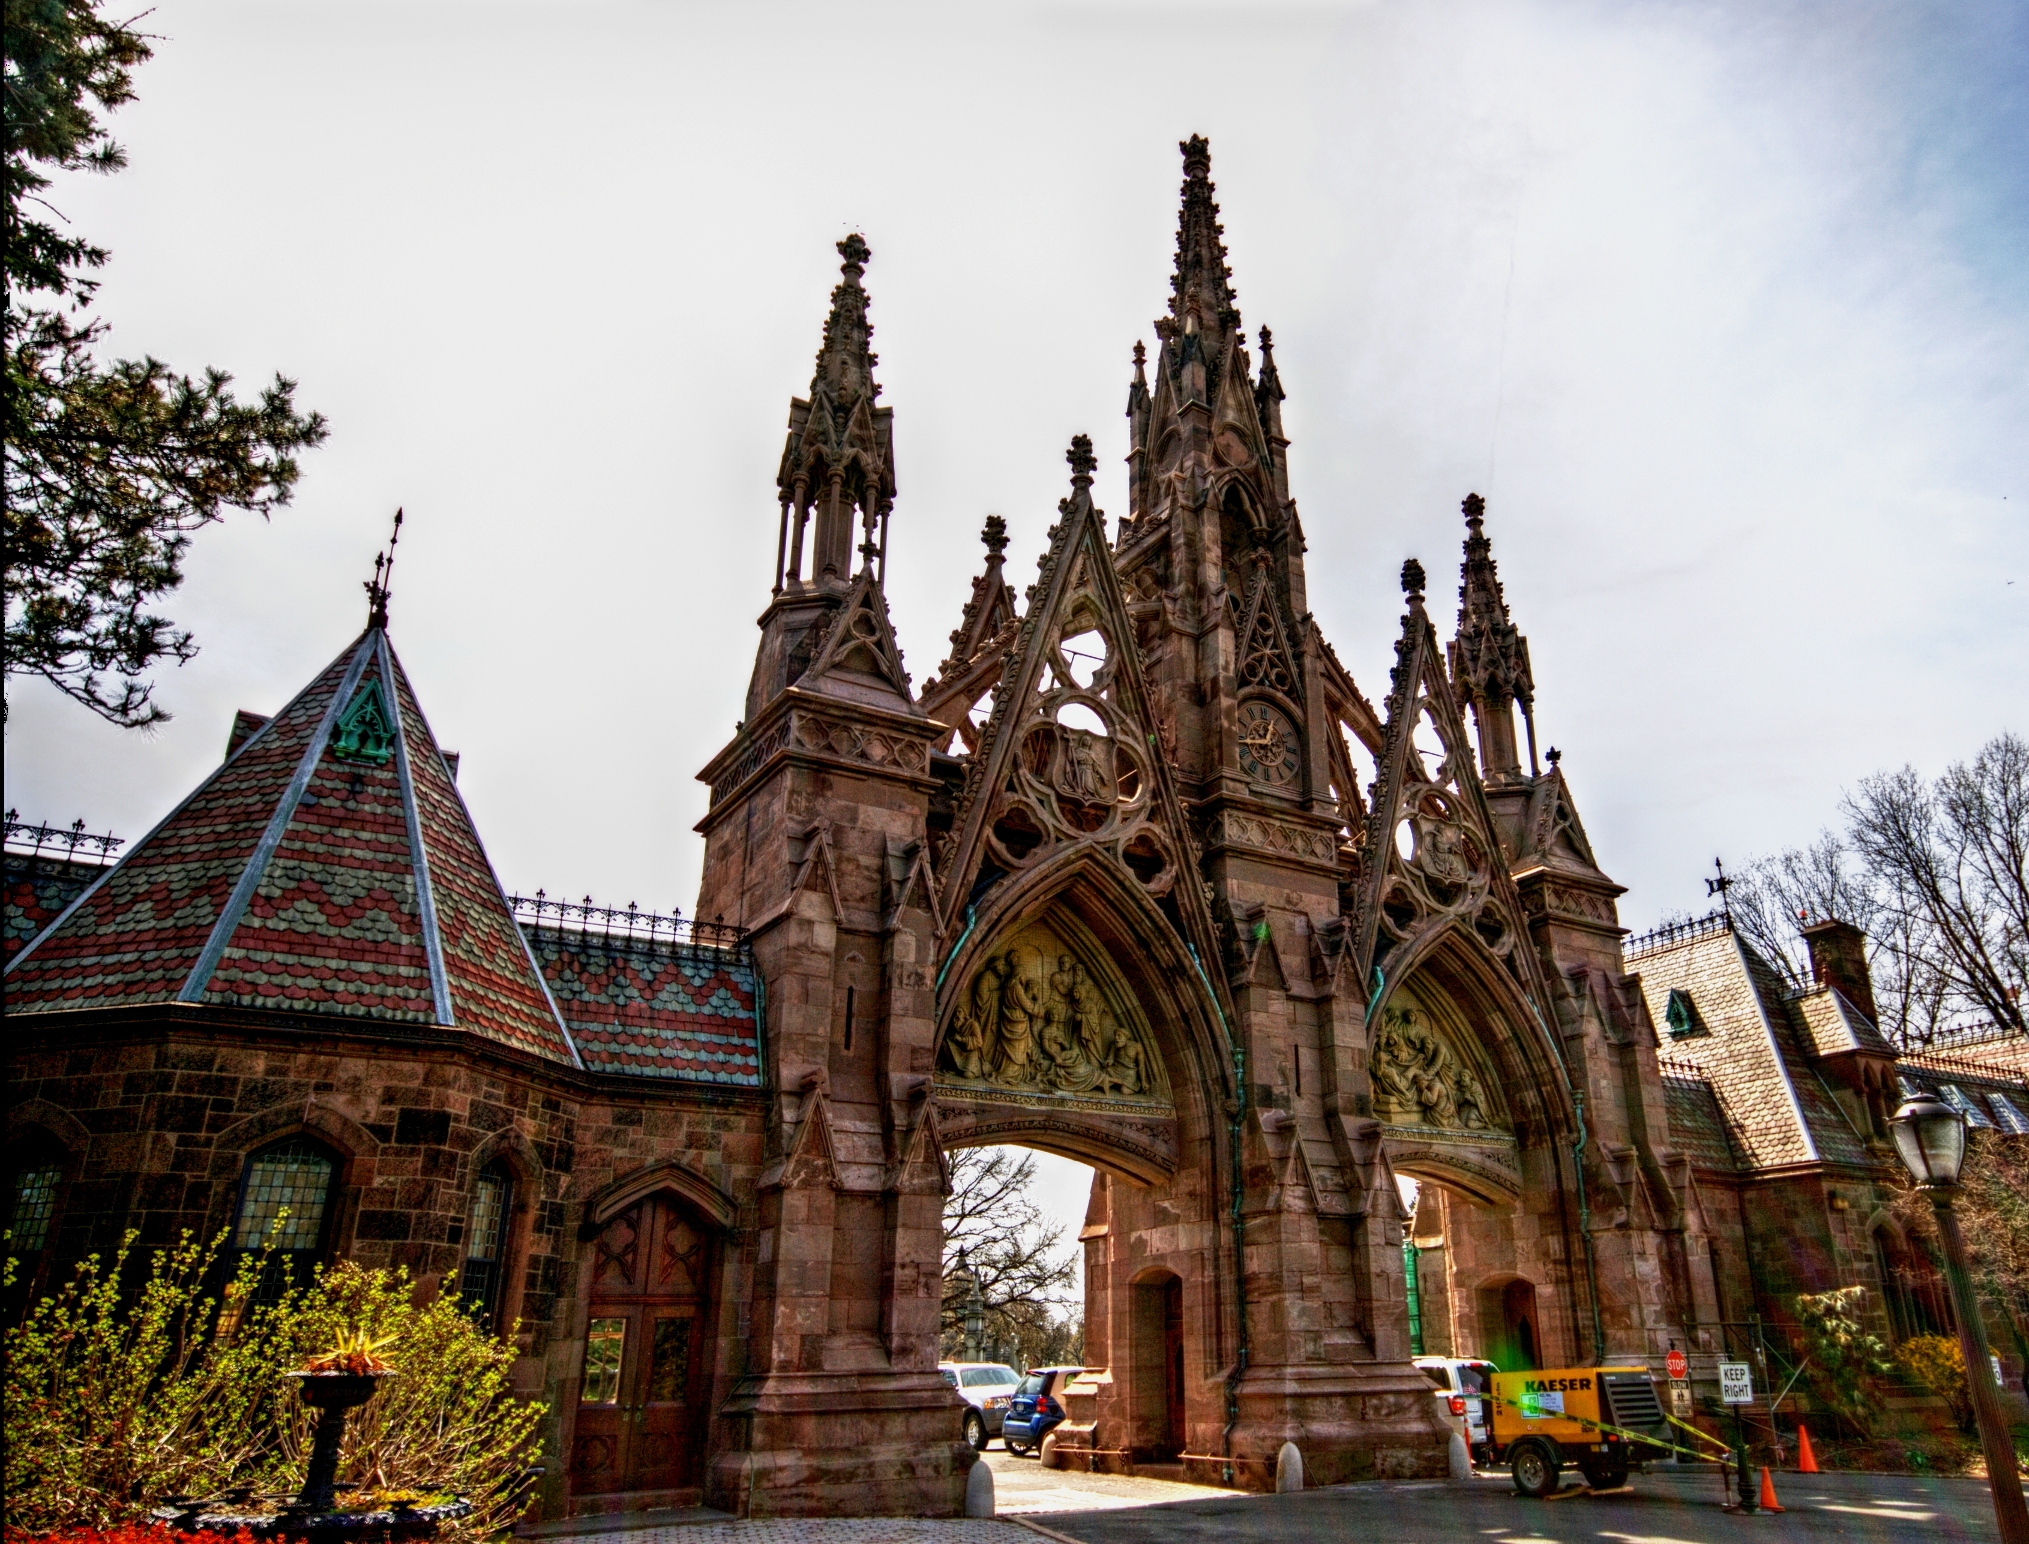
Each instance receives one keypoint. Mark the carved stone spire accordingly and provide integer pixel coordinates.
(1202, 285)
(1490, 657)
(840, 451)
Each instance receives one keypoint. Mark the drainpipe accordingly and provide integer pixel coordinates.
(1585, 1227)
(971, 916)
(1237, 1185)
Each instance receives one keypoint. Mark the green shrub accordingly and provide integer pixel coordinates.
(1844, 1359)
(121, 1393)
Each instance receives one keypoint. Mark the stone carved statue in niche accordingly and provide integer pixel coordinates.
(1419, 1080)
(1033, 1017)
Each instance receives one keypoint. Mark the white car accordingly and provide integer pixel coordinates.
(1465, 1387)
(987, 1387)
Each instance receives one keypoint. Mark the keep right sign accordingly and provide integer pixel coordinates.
(1736, 1383)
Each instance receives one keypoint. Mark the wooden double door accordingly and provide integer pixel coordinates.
(645, 1387)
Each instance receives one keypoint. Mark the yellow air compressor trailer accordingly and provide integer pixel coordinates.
(1600, 1419)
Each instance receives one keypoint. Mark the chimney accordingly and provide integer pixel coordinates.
(1839, 959)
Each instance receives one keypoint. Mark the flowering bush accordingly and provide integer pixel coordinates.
(1940, 1364)
(130, 1533)
(119, 1394)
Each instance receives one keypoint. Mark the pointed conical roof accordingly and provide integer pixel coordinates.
(328, 868)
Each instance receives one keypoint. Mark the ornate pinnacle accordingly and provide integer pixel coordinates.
(1412, 580)
(994, 534)
(1083, 463)
(855, 251)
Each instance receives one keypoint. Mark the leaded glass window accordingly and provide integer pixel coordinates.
(486, 1242)
(605, 1339)
(34, 1208)
(282, 1207)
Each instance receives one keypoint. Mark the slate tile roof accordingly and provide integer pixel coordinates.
(38, 889)
(653, 1007)
(294, 880)
(1832, 1025)
(1756, 1053)
(1699, 1126)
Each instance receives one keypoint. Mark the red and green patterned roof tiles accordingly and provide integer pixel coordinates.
(330, 867)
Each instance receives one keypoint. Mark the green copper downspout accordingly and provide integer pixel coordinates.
(971, 916)
(1239, 1219)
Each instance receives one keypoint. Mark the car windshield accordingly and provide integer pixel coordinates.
(979, 1377)
(1002, 1374)
(1477, 1377)
(950, 1376)
(1032, 1384)
(1441, 1376)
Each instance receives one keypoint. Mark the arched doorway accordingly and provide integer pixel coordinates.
(1157, 1338)
(1513, 1323)
(644, 1387)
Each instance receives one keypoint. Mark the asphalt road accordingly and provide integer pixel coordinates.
(1665, 1507)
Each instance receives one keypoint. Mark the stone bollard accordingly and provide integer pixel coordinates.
(1288, 1468)
(1461, 1458)
(979, 1490)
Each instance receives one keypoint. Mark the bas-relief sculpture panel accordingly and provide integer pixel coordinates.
(1038, 1016)
(1422, 1080)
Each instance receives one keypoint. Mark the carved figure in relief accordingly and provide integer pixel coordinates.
(1015, 1047)
(1419, 1079)
(1127, 1072)
(1083, 777)
(1036, 1019)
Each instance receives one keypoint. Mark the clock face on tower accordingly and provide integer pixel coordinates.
(1270, 751)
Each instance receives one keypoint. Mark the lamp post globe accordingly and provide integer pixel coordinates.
(1930, 1136)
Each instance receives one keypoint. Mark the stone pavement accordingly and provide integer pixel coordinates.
(1022, 1487)
(1666, 1506)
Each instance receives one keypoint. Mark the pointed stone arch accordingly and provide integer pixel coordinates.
(1152, 1070)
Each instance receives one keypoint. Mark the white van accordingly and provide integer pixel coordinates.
(1465, 1386)
(987, 1387)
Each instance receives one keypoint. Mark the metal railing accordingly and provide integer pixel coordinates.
(630, 922)
(1671, 933)
(72, 843)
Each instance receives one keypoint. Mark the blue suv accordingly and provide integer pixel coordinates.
(1037, 1406)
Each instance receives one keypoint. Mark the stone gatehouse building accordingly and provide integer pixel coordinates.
(1139, 875)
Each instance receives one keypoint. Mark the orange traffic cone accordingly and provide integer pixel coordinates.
(1768, 1501)
(1807, 1461)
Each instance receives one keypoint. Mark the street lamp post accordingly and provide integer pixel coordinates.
(1931, 1137)
(975, 1311)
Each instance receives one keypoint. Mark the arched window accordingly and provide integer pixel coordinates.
(294, 1177)
(486, 1242)
(34, 1208)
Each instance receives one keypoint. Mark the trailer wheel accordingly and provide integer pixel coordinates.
(1606, 1476)
(1534, 1467)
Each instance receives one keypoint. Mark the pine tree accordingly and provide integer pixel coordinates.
(110, 466)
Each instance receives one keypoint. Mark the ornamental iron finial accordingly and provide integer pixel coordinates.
(380, 585)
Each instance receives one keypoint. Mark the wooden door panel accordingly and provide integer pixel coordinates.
(639, 1424)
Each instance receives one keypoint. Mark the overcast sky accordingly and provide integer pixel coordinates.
(1723, 307)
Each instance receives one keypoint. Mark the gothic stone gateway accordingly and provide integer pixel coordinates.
(1138, 875)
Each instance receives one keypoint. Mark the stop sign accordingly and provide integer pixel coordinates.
(1679, 1367)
